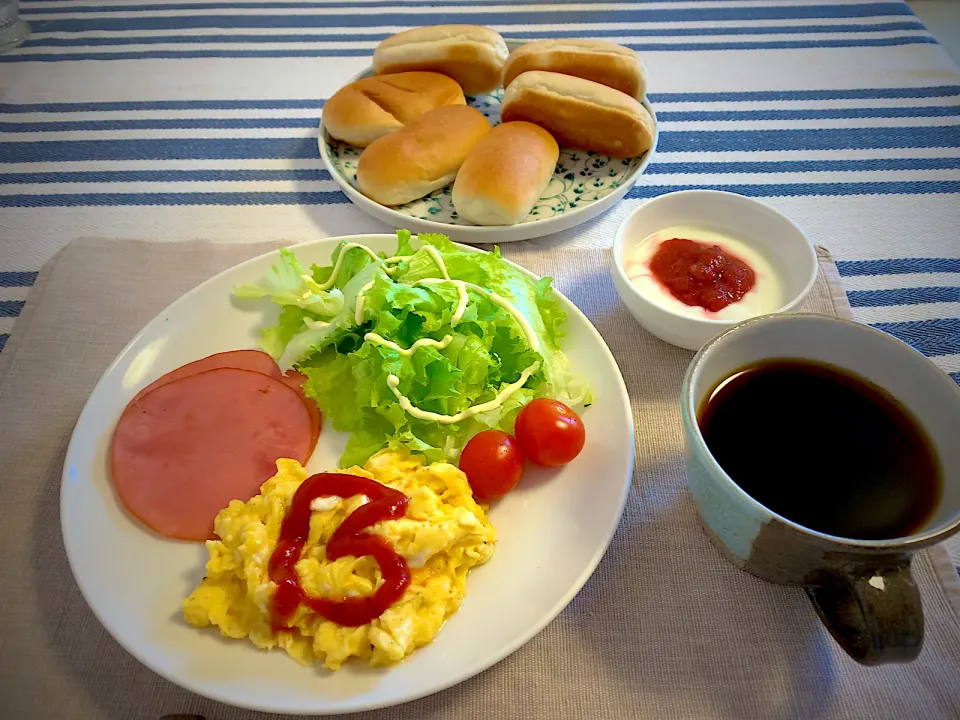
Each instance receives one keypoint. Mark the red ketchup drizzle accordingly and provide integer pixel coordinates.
(700, 274)
(348, 539)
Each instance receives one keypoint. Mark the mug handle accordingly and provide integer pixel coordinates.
(875, 614)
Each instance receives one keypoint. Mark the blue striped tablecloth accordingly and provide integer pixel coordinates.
(197, 119)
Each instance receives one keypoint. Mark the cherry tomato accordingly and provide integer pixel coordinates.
(493, 464)
(550, 434)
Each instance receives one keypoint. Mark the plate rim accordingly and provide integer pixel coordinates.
(489, 233)
(478, 667)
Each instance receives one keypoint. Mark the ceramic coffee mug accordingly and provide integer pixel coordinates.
(862, 589)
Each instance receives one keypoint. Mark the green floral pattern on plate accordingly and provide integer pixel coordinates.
(580, 178)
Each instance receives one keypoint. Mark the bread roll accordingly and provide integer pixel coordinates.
(505, 174)
(470, 54)
(420, 157)
(604, 62)
(580, 113)
(369, 108)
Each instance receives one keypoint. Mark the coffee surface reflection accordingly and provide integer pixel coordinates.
(824, 448)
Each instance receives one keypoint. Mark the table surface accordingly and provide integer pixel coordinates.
(198, 119)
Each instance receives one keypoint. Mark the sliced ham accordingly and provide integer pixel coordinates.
(184, 450)
(296, 380)
(255, 360)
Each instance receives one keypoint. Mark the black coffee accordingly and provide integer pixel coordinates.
(824, 448)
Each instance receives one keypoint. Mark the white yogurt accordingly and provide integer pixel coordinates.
(766, 296)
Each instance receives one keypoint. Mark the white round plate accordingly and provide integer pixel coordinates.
(584, 185)
(553, 529)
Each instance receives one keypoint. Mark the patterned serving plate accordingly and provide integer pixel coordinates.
(584, 185)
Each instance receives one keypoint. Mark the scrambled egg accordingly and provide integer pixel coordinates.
(442, 536)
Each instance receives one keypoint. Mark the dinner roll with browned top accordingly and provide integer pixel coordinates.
(470, 54)
(580, 113)
(369, 108)
(505, 174)
(422, 156)
(604, 62)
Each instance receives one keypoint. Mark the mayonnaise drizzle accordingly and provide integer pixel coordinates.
(495, 298)
(358, 312)
(532, 338)
(315, 324)
(343, 251)
(393, 382)
(462, 298)
(438, 259)
(408, 352)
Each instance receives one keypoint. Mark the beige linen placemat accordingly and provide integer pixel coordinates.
(664, 629)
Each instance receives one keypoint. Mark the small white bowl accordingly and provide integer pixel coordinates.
(757, 225)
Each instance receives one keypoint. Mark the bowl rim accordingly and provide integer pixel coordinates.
(618, 241)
